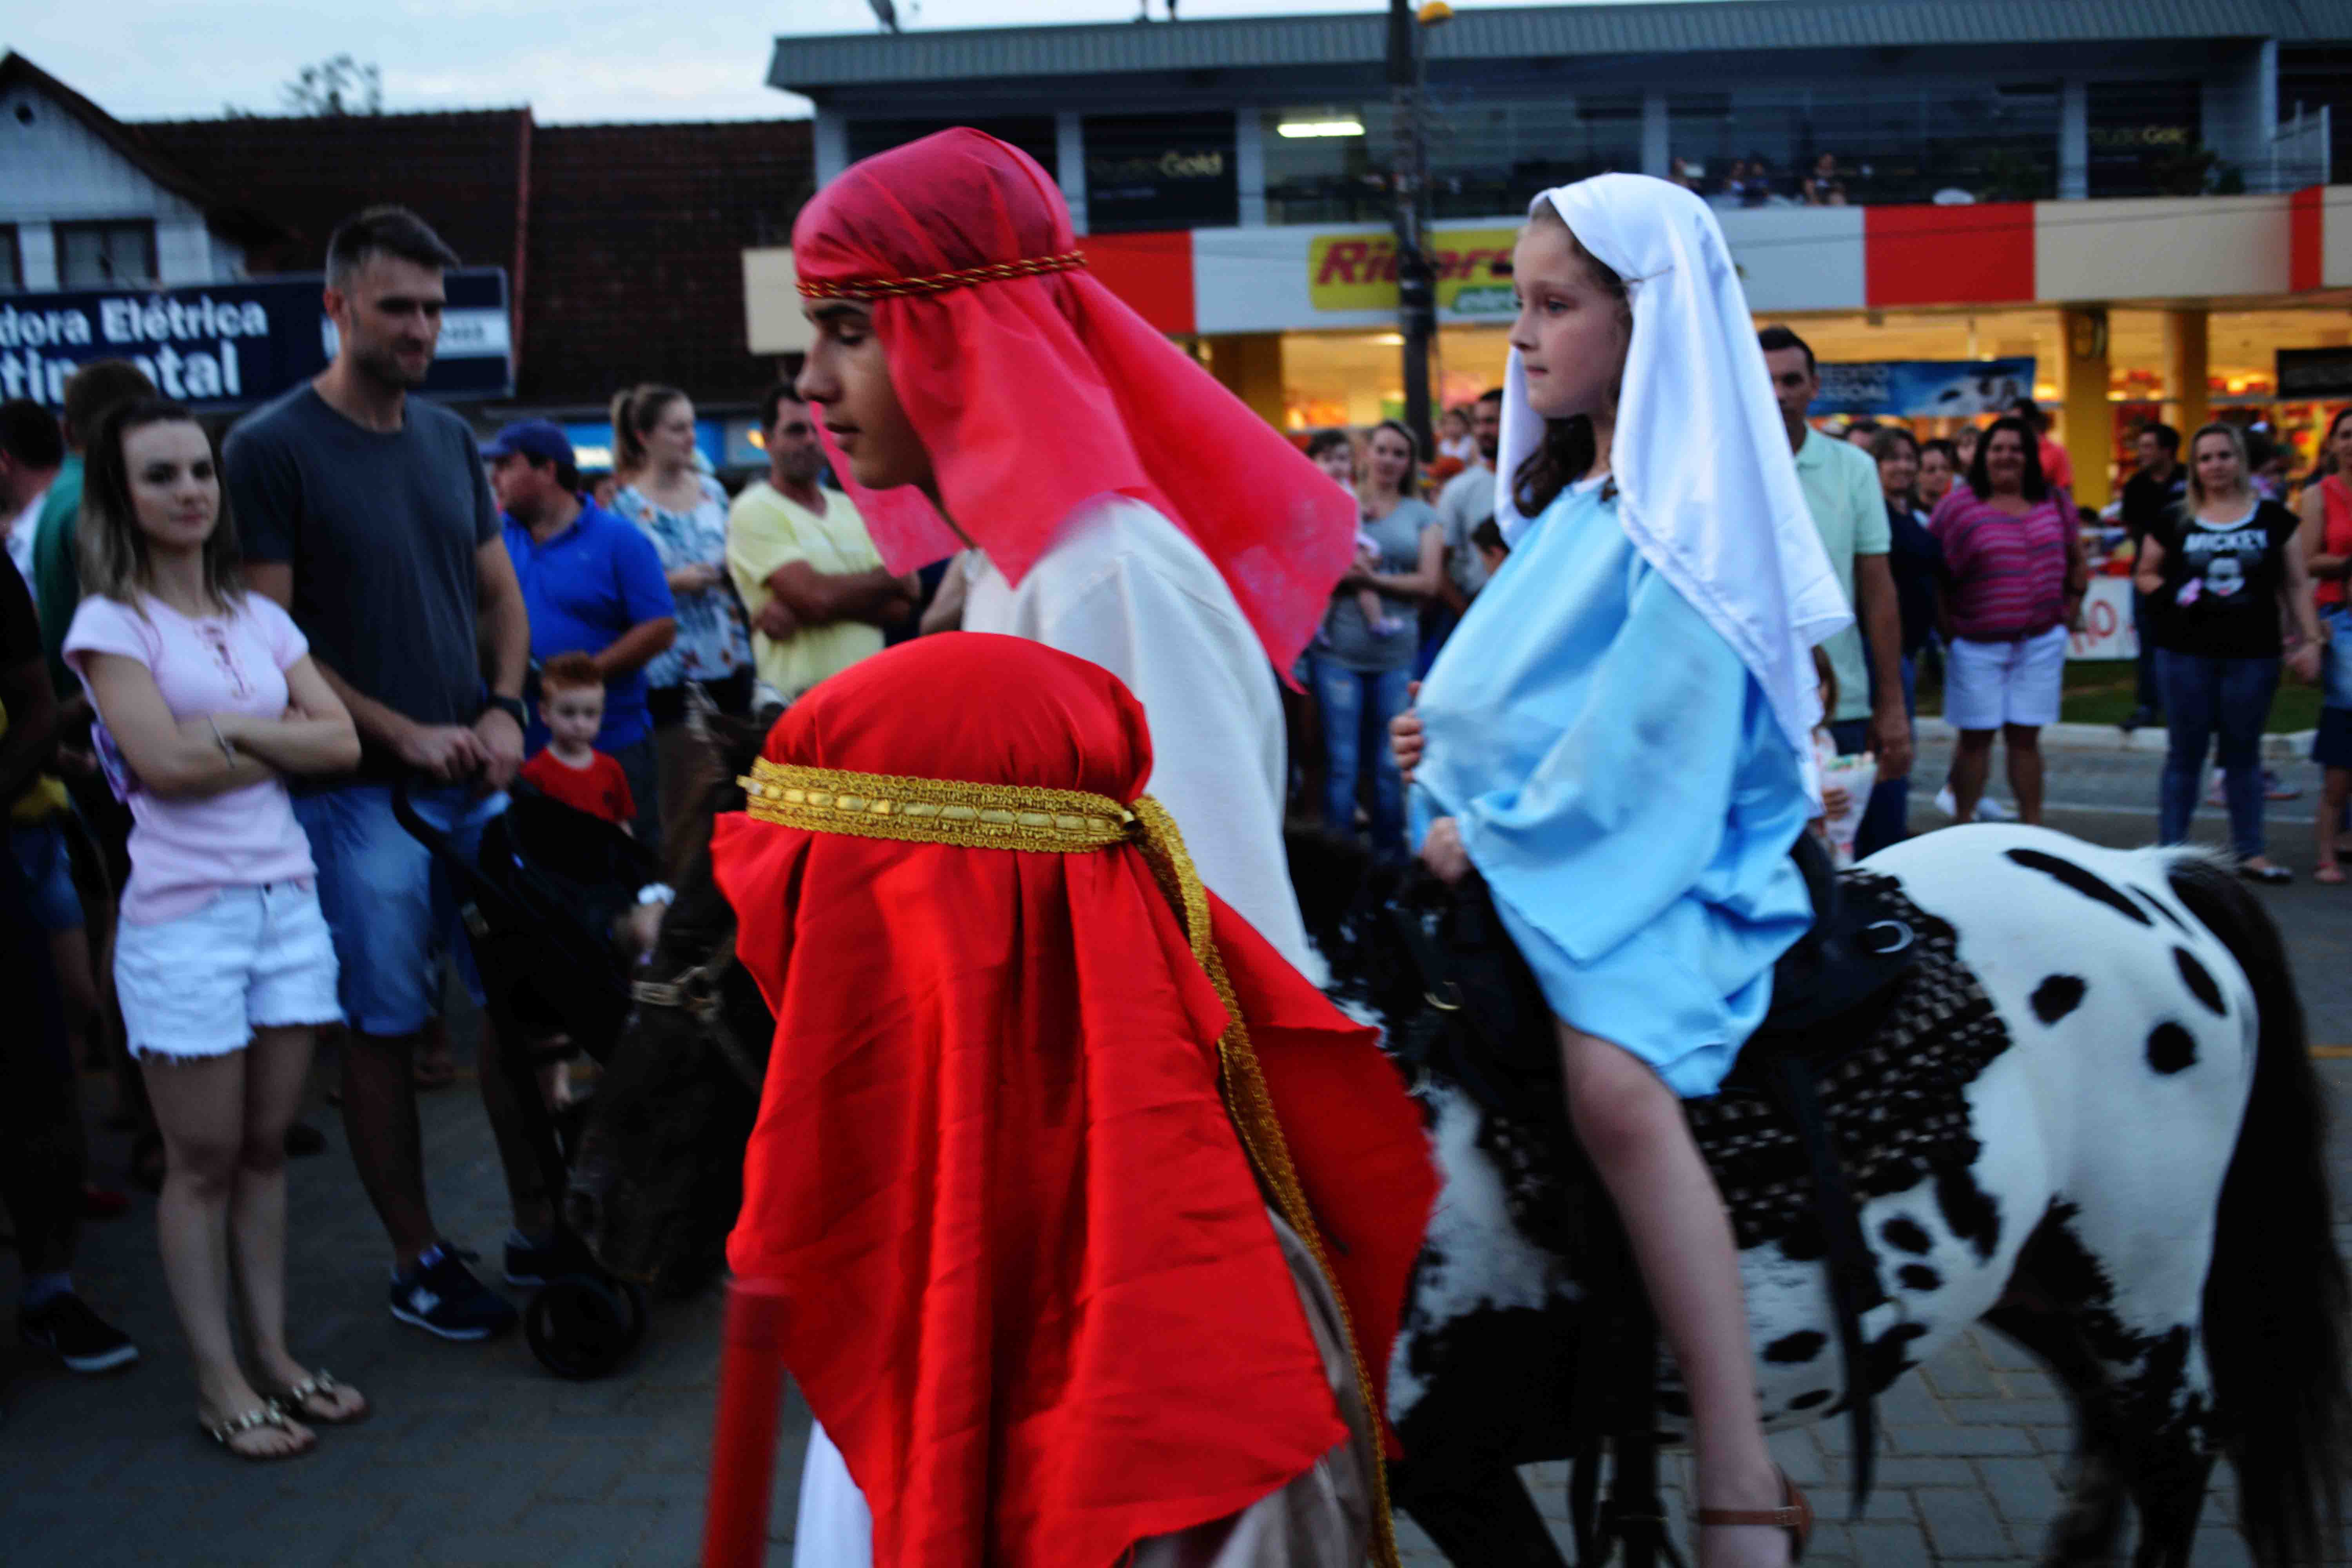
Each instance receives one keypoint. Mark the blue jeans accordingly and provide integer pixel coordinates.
(1357, 707)
(1886, 815)
(47, 865)
(389, 903)
(1437, 623)
(2145, 692)
(2203, 697)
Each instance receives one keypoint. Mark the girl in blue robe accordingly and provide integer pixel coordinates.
(1617, 738)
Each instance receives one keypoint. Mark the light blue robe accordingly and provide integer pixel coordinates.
(1620, 782)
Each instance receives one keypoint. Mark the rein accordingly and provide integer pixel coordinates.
(696, 992)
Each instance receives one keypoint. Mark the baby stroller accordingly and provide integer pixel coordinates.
(539, 903)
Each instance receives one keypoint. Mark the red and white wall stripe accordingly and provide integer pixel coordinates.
(1304, 278)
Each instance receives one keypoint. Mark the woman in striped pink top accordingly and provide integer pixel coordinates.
(2013, 554)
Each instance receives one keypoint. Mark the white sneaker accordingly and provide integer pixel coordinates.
(1988, 808)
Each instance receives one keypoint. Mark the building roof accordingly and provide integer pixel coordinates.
(462, 173)
(637, 235)
(15, 70)
(623, 244)
(818, 64)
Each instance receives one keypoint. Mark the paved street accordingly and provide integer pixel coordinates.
(476, 1457)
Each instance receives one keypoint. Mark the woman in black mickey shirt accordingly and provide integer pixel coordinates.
(2218, 572)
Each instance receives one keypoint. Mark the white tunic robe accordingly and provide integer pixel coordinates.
(1123, 587)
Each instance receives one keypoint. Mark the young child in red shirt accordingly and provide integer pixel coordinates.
(570, 768)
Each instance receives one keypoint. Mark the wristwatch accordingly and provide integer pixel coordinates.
(509, 706)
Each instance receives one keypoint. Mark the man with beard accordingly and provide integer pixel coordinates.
(366, 514)
(810, 579)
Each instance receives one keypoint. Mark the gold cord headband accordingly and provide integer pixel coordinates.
(1072, 822)
(938, 282)
(936, 811)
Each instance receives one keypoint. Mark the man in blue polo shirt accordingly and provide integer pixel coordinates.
(592, 584)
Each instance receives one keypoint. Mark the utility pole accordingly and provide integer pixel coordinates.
(1409, 191)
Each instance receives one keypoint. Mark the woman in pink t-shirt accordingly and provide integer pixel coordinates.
(224, 965)
(2014, 580)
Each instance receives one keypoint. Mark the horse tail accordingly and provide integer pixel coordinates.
(2275, 1302)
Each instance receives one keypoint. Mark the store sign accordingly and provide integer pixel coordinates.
(1923, 388)
(2305, 374)
(1358, 271)
(231, 345)
(2143, 136)
(1147, 171)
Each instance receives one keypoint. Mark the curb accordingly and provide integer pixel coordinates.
(2295, 747)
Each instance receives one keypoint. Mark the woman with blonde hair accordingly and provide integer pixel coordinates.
(683, 511)
(209, 699)
(2217, 573)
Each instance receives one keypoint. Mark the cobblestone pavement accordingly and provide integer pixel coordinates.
(476, 1457)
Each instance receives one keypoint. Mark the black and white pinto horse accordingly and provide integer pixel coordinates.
(2147, 1211)
(2149, 1214)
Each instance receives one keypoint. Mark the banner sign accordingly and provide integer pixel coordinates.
(2306, 375)
(218, 347)
(1358, 271)
(2108, 631)
(1924, 388)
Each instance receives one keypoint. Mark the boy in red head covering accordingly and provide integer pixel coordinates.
(1092, 1220)
(979, 384)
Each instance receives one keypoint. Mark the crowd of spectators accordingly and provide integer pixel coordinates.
(348, 598)
(352, 594)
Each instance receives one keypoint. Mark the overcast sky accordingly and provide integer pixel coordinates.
(569, 59)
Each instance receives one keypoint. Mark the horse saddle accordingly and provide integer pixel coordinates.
(1829, 991)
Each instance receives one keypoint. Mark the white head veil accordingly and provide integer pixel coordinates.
(1707, 485)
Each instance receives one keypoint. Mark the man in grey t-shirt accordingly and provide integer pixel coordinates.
(364, 511)
(1467, 500)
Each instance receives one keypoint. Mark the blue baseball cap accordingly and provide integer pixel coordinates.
(540, 438)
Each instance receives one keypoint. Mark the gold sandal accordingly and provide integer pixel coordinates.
(225, 1432)
(1794, 1515)
(294, 1401)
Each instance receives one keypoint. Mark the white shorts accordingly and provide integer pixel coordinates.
(1989, 684)
(201, 984)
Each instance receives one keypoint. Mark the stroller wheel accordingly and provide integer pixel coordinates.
(582, 1326)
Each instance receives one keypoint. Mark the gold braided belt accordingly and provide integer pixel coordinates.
(938, 282)
(1075, 822)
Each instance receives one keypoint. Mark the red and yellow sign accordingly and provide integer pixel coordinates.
(1358, 271)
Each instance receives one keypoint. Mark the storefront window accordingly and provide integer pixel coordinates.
(1159, 171)
(2147, 140)
(1488, 158)
(1867, 144)
(1326, 163)
(1033, 134)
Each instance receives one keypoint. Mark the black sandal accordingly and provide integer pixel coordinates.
(2268, 876)
(1794, 1515)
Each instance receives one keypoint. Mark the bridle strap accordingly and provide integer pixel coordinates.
(695, 991)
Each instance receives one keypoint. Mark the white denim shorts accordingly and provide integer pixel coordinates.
(1989, 684)
(200, 984)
